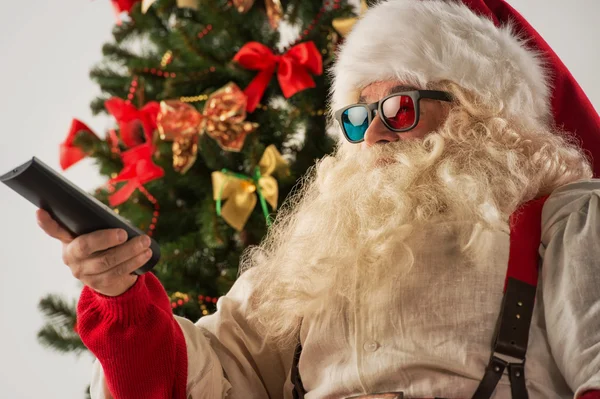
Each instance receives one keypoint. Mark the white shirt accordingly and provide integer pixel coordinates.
(429, 333)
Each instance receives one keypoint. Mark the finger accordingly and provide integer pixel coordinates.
(129, 266)
(116, 280)
(86, 245)
(113, 257)
(52, 228)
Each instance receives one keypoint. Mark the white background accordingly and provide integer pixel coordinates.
(46, 52)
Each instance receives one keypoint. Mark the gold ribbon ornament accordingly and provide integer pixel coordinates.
(344, 25)
(146, 4)
(180, 123)
(273, 7)
(241, 193)
(223, 119)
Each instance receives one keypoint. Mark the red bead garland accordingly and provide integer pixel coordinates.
(156, 212)
(158, 72)
(179, 299)
(335, 5)
(132, 89)
(205, 31)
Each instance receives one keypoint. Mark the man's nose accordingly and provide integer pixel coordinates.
(377, 132)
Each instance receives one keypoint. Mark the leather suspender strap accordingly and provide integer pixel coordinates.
(299, 391)
(492, 375)
(516, 374)
(512, 330)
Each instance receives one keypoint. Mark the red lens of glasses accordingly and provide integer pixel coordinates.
(399, 111)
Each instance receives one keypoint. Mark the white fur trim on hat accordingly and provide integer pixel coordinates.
(423, 41)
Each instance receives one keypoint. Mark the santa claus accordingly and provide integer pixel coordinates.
(449, 248)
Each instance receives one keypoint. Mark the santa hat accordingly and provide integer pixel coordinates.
(483, 45)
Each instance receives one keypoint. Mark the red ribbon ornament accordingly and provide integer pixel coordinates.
(69, 153)
(293, 69)
(129, 117)
(138, 169)
(122, 6)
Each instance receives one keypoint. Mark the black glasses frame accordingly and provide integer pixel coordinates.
(415, 95)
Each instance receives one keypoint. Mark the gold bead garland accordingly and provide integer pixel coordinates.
(194, 99)
(166, 59)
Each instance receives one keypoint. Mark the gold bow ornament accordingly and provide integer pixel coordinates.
(240, 192)
(273, 7)
(223, 119)
(344, 25)
(146, 4)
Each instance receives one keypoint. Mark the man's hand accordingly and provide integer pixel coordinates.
(102, 260)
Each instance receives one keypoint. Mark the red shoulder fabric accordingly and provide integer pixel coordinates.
(525, 236)
(590, 395)
(137, 340)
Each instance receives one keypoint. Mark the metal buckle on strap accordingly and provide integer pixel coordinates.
(507, 359)
(510, 341)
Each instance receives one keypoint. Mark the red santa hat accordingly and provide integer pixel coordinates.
(483, 45)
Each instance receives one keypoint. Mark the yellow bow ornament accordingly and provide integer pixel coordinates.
(273, 7)
(240, 191)
(345, 25)
(146, 4)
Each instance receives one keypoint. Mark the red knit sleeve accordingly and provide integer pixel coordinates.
(590, 395)
(136, 339)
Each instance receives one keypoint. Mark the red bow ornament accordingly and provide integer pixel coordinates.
(138, 169)
(122, 6)
(132, 120)
(69, 152)
(294, 69)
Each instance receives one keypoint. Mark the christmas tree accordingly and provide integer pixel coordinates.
(215, 120)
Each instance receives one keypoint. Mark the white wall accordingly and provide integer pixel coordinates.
(46, 52)
(47, 49)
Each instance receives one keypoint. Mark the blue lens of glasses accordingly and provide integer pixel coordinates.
(355, 122)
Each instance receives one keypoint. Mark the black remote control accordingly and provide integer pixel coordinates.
(78, 211)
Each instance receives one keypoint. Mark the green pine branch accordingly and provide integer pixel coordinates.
(59, 311)
(59, 331)
(60, 340)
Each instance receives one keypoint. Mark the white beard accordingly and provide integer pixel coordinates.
(352, 218)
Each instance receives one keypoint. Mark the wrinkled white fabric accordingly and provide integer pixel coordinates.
(428, 333)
